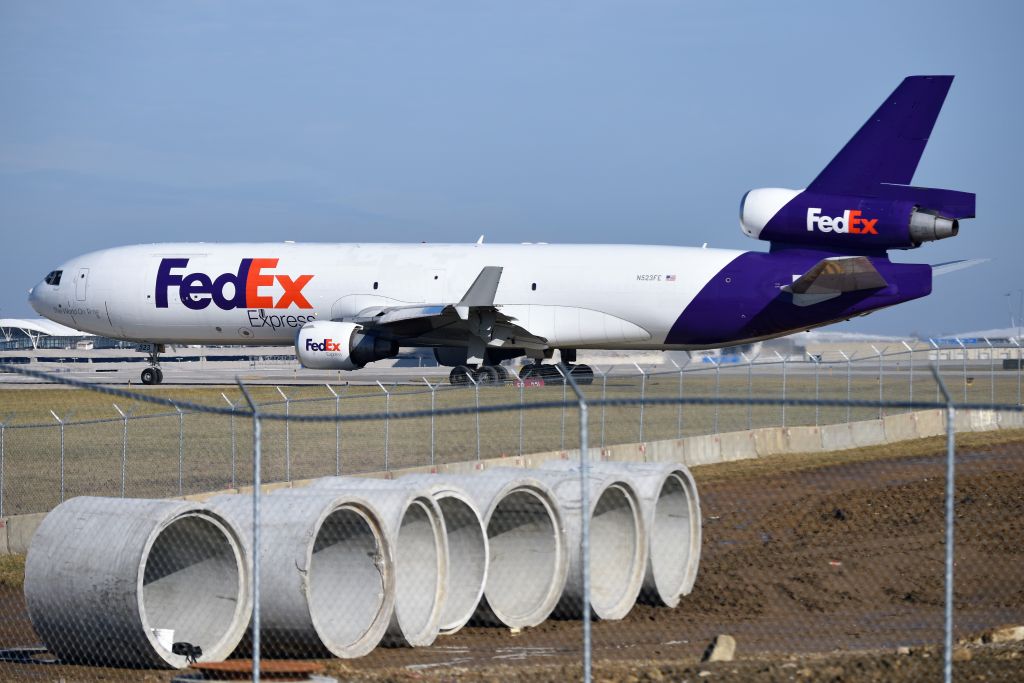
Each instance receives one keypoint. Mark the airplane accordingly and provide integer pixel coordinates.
(343, 306)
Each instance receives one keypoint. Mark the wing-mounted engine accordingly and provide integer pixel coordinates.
(328, 345)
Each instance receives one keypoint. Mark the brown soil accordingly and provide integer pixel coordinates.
(819, 572)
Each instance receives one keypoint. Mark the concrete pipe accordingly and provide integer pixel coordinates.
(467, 544)
(419, 548)
(114, 581)
(618, 541)
(672, 509)
(327, 584)
(528, 557)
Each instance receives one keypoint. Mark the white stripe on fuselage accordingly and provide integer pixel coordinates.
(581, 290)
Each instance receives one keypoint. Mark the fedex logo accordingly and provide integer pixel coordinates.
(850, 222)
(325, 345)
(230, 290)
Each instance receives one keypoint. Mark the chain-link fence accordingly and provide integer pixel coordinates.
(815, 496)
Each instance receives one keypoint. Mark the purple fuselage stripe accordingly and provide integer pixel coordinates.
(744, 301)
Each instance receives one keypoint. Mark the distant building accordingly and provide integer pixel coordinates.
(21, 334)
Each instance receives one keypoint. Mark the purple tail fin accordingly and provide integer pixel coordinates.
(888, 147)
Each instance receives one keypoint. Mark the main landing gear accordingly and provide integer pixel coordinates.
(582, 374)
(486, 375)
(153, 374)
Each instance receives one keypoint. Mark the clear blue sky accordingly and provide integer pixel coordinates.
(593, 121)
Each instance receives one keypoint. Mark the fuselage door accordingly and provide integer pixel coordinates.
(81, 282)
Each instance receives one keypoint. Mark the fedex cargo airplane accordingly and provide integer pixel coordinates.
(343, 306)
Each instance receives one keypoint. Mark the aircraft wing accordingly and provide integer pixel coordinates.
(830, 277)
(474, 315)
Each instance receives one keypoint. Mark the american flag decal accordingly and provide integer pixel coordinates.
(670, 278)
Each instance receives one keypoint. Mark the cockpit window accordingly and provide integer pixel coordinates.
(54, 277)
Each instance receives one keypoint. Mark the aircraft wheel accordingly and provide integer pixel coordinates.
(550, 374)
(486, 375)
(583, 374)
(459, 376)
(159, 376)
(503, 374)
(149, 376)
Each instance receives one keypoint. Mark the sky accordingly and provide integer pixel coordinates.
(565, 122)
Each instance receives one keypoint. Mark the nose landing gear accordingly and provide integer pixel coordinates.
(153, 374)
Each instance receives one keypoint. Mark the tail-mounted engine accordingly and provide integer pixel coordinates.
(907, 218)
(327, 345)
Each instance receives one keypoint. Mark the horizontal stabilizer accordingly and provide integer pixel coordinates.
(953, 266)
(834, 276)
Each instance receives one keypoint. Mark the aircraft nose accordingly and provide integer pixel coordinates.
(35, 300)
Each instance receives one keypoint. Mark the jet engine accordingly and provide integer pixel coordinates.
(893, 217)
(327, 345)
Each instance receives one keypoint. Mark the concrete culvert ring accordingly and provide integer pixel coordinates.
(672, 563)
(419, 565)
(467, 561)
(190, 581)
(616, 552)
(103, 573)
(347, 591)
(527, 570)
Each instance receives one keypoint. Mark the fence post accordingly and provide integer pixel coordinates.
(750, 388)
(387, 425)
(937, 363)
(881, 379)
(910, 349)
(61, 423)
(476, 391)
(337, 429)
(234, 446)
(3, 429)
(433, 388)
(124, 447)
(947, 668)
(679, 413)
(287, 436)
(257, 484)
(963, 348)
(604, 393)
(718, 385)
(817, 406)
(1017, 344)
(181, 451)
(643, 395)
(584, 526)
(848, 359)
(991, 373)
(565, 384)
(784, 360)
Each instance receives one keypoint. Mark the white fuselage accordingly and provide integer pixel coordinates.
(575, 296)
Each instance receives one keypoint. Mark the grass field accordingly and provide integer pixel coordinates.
(170, 454)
